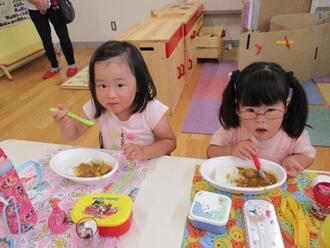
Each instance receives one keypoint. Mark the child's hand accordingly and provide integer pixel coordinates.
(61, 117)
(133, 151)
(292, 166)
(244, 150)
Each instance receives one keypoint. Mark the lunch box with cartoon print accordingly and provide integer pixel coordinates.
(112, 212)
(210, 211)
(261, 224)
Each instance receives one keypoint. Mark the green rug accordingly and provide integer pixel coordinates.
(319, 119)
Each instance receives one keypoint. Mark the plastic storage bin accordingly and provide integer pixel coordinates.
(112, 212)
(210, 211)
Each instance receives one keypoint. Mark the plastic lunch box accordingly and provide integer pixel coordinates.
(112, 212)
(210, 211)
(261, 224)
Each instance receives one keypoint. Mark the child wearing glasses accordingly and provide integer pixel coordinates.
(264, 111)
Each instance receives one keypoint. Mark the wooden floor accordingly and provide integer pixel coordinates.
(25, 103)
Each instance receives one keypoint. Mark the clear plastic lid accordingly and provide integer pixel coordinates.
(262, 228)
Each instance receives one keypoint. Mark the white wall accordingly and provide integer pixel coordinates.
(215, 5)
(231, 22)
(226, 12)
(93, 17)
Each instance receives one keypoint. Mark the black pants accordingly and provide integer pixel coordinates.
(41, 22)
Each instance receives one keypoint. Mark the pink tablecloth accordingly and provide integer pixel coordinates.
(126, 180)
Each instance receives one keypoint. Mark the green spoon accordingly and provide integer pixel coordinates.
(76, 117)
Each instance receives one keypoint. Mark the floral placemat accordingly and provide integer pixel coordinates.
(234, 236)
(126, 180)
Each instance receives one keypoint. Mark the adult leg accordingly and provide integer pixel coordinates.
(42, 25)
(63, 34)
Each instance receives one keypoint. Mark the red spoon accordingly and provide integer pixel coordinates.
(256, 161)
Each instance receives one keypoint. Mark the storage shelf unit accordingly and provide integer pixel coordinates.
(191, 16)
(161, 44)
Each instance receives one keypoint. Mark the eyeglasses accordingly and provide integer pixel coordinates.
(270, 114)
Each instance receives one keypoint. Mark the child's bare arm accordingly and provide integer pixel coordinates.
(164, 144)
(215, 151)
(296, 163)
(243, 150)
(70, 128)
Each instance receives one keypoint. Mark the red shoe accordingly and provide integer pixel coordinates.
(71, 71)
(49, 74)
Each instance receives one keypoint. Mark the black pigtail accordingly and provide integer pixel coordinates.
(296, 115)
(228, 110)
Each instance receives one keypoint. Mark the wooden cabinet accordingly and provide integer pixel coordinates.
(191, 16)
(162, 46)
(190, 50)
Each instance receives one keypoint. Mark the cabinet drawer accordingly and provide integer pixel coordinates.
(208, 43)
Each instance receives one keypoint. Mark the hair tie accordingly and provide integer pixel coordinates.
(291, 78)
(235, 74)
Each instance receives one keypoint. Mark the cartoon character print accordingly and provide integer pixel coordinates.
(292, 188)
(133, 193)
(301, 197)
(255, 214)
(284, 187)
(78, 192)
(240, 223)
(197, 178)
(230, 223)
(310, 176)
(200, 186)
(208, 240)
(222, 242)
(237, 244)
(58, 242)
(26, 227)
(4, 242)
(236, 233)
(239, 214)
(309, 192)
(299, 187)
(100, 209)
(11, 210)
(18, 191)
(194, 232)
(12, 224)
(194, 245)
(42, 232)
(286, 226)
(292, 180)
(237, 203)
(7, 182)
(276, 200)
(275, 192)
(66, 182)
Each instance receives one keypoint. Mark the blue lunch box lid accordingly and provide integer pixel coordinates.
(210, 208)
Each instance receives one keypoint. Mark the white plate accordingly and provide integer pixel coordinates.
(63, 162)
(214, 171)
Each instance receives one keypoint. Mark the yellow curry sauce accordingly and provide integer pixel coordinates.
(248, 177)
(92, 169)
